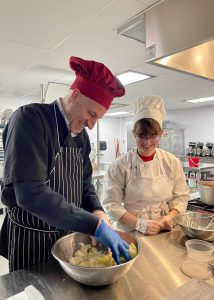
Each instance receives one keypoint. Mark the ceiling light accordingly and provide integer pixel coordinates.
(132, 77)
(119, 113)
(201, 99)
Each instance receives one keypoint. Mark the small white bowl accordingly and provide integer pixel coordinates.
(199, 249)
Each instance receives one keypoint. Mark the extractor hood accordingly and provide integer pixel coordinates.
(180, 36)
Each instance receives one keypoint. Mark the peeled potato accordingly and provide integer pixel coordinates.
(89, 256)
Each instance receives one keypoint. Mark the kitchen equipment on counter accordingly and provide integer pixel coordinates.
(199, 249)
(92, 276)
(209, 148)
(206, 192)
(195, 264)
(192, 149)
(198, 206)
(194, 224)
(193, 161)
(199, 149)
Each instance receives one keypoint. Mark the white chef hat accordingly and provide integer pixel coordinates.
(149, 107)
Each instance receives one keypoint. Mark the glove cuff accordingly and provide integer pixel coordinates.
(99, 229)
(141, 225)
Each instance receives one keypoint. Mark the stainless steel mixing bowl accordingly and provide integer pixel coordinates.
(194, 225)
(93, 276)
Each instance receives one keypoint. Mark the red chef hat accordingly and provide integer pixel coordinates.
(95, 80)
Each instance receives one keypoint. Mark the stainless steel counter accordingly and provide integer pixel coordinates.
(154, 275)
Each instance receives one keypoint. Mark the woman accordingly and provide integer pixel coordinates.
(146, 188)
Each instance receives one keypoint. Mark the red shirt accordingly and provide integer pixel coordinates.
(147, 158)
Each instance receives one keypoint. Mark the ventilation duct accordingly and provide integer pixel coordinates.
(180, 35)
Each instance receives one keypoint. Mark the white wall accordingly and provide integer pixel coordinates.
(109, 131)
(198, 123)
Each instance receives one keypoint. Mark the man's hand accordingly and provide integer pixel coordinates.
(109, 238)
(102, 216)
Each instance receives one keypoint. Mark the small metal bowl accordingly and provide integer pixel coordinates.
(193, 224)
(93, 276)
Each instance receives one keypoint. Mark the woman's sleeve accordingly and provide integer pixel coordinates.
(180, 189)
(114, 189)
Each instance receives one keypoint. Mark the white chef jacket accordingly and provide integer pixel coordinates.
(143, 187)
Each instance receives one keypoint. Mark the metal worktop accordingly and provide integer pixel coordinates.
(154, 275)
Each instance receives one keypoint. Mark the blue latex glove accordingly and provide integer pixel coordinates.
(109, 238)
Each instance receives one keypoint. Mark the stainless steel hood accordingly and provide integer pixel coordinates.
(180, 36)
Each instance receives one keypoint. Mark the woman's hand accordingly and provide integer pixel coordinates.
(168, 221)
(149, 226)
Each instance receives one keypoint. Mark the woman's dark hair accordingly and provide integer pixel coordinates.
(147, 127)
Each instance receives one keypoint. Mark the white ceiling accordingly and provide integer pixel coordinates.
(38, 37)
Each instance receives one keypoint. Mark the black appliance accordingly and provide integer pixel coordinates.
(103, 145)
(199, 149)
(198, 206)
(192, 149)
(209, 147)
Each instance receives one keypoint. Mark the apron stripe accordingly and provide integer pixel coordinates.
(23, 260)
(18, 245)
(39, 243)
(28, 246)
(34, 249)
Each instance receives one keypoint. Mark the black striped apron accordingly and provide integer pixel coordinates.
(30, 238)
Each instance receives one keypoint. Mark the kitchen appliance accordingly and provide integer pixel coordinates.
(187, 45)
(192, 149)
(103, 145)
(206, 192)
(199, 149)
(172, 140)
(209, 148)
(198, 206)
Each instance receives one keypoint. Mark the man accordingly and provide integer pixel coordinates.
(47, 175)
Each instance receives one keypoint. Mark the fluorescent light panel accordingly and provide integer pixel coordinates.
(131, 77)
(201, 99)
(117, 113)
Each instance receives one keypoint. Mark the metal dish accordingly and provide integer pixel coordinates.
(93, 276)
(193, 224)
